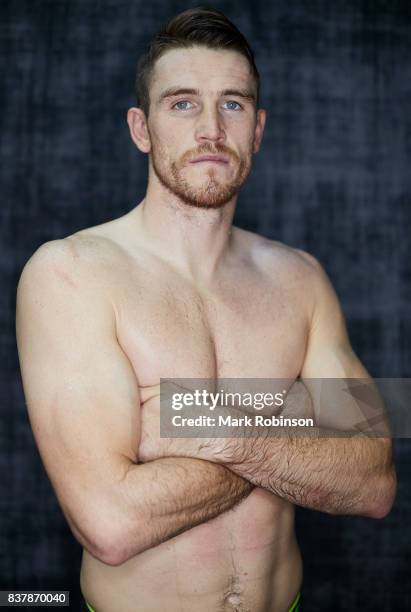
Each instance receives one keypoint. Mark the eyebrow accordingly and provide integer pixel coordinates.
(178, 91)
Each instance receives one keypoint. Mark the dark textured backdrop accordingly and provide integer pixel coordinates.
(333, 177)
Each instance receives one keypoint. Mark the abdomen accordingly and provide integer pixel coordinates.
(232, 558)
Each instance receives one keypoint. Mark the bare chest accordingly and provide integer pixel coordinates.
(169, 329)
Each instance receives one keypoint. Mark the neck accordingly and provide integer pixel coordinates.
(194, 240)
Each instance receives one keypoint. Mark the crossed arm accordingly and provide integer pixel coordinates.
(83, 401)
(334, 474)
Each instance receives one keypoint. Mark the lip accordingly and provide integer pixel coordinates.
(219, 159)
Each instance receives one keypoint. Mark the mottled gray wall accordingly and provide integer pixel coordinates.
(333, 177)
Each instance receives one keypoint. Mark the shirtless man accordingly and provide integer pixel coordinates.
(173, 290)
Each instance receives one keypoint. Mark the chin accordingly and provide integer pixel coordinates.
(211, 195)
(199, 192)
(206, 202)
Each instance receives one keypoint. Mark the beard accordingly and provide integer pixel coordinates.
(212, 192)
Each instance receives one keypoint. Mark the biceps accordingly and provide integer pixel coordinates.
(332, 357)
(82, 416)
(338, 371)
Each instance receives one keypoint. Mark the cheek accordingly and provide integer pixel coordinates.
(160, 148)
(246, 151)
(166, 132)
(166, 142)
(242, 134)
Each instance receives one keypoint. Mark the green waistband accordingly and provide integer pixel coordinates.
(295, 606)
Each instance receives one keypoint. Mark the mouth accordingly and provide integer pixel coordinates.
(216, 159)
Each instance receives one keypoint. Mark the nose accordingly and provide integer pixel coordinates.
(210, 126)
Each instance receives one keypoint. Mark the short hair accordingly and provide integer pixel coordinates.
(200, 26)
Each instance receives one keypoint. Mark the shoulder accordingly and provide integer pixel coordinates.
(49, 259)
(298, 273)
(73, 268)
(80, 255)
(273, 256)
(64, 292)
(306, 274)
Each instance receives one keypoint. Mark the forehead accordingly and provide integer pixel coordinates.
(200, 67)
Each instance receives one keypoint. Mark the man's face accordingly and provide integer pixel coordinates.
(202, 105)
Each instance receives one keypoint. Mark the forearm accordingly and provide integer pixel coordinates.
(325, 469)
(167, 496)
(335, 475)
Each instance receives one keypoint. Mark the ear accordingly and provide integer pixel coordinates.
(137, 123)
(259, 129)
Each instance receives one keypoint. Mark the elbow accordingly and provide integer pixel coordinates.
(104, 544)
(110, 534)
(117, 545)
(106, 530)
(109, 552)
(384, 501)
(112, 544)
(115, 548)
(100, 542)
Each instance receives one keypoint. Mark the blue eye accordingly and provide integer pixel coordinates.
(231, 103)
(178, 104)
